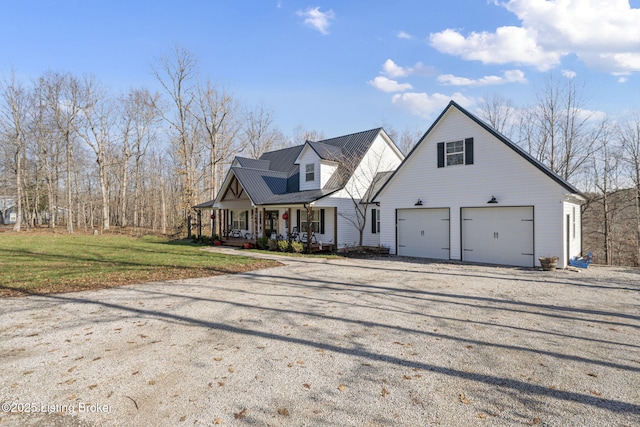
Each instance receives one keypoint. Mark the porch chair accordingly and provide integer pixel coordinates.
(304, 237)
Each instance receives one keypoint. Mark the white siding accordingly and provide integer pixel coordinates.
(381, 157)
(308, 156)
(326, 170)
(347, 233)
(497, 171)
(369, 238)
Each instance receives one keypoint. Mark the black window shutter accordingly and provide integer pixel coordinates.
(321, 221)
(468, 151)
(440, 154)
(298, 220)
(373, 221)
(246, 219)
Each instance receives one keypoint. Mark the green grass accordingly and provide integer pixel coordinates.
(36, 263)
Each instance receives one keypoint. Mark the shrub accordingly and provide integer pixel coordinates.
(297, 247)
(283, 246)
(262, 242)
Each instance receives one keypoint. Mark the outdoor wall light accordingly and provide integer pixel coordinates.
(493, 200)
(418, 203)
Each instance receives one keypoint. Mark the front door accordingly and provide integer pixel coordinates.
(271, 223)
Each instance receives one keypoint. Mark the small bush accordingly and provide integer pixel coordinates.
(283, 246)
(262, 242)
(297, 247)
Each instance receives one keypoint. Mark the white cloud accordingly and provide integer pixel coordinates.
(404, 35)
(424, 105)
(510, 76)
(387, 85)
(506, 45)
(622, 79)
(570, 74)
(393, 70)
(316, 19)
(605, 34)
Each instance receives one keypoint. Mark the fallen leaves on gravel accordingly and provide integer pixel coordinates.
(283, 411)
(463, 398)
(217, 420)
(384, 392)
(240, 415)
(306, 385)
(342, 387)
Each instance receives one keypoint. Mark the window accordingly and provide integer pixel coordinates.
(455, 153)
(239, 220)
(375, 221)
(310, 172)
(317, 221)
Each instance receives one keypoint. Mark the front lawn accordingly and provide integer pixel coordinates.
(42, 262)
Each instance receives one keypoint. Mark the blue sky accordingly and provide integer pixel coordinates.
(341, 66)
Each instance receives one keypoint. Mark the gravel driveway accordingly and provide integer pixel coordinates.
(328, 342)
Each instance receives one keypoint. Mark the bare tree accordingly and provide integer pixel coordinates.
(365, 174)
(176, 75)
(302, 134)
(13, 112)
(95, 128)
(499, 112)
(218, 117)
(259, 132)
(564, 131)
(629, 134)
(138, 129)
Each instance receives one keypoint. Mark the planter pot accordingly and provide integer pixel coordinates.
(217, 243)
(548, 264)
(247, 245)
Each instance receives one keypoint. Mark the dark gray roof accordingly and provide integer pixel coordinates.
(261, 185)
(299, 197)
(378, 182)
(283, 160)
(500, 137)
(274, 178)
(246, 162)
(326, 151)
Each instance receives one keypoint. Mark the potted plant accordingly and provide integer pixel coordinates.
(548, 263)
(247, 245)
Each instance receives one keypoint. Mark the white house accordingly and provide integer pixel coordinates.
(465, 192)
(326, 182)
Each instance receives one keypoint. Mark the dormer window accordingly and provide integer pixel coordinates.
(310, 172)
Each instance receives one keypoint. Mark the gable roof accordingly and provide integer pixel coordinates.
(274, 177)
(498, 136)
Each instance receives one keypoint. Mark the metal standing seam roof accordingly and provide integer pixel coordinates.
(274, 177)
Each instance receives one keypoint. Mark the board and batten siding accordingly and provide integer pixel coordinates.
(497, 171)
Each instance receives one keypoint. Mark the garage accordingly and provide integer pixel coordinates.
(423, 233)
(498, 235)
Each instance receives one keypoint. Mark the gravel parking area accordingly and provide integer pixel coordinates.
(328, 342)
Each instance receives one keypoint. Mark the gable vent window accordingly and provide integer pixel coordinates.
(310, 172)
(454, 153)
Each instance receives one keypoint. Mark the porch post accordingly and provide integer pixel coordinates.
(263, 221)
(288, 223)
(335, 226)
(309, 227)
(199, 219)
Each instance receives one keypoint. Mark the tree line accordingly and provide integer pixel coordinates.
(74, 155)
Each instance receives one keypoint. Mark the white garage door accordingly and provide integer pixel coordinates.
(423, 233)
(498, 235)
